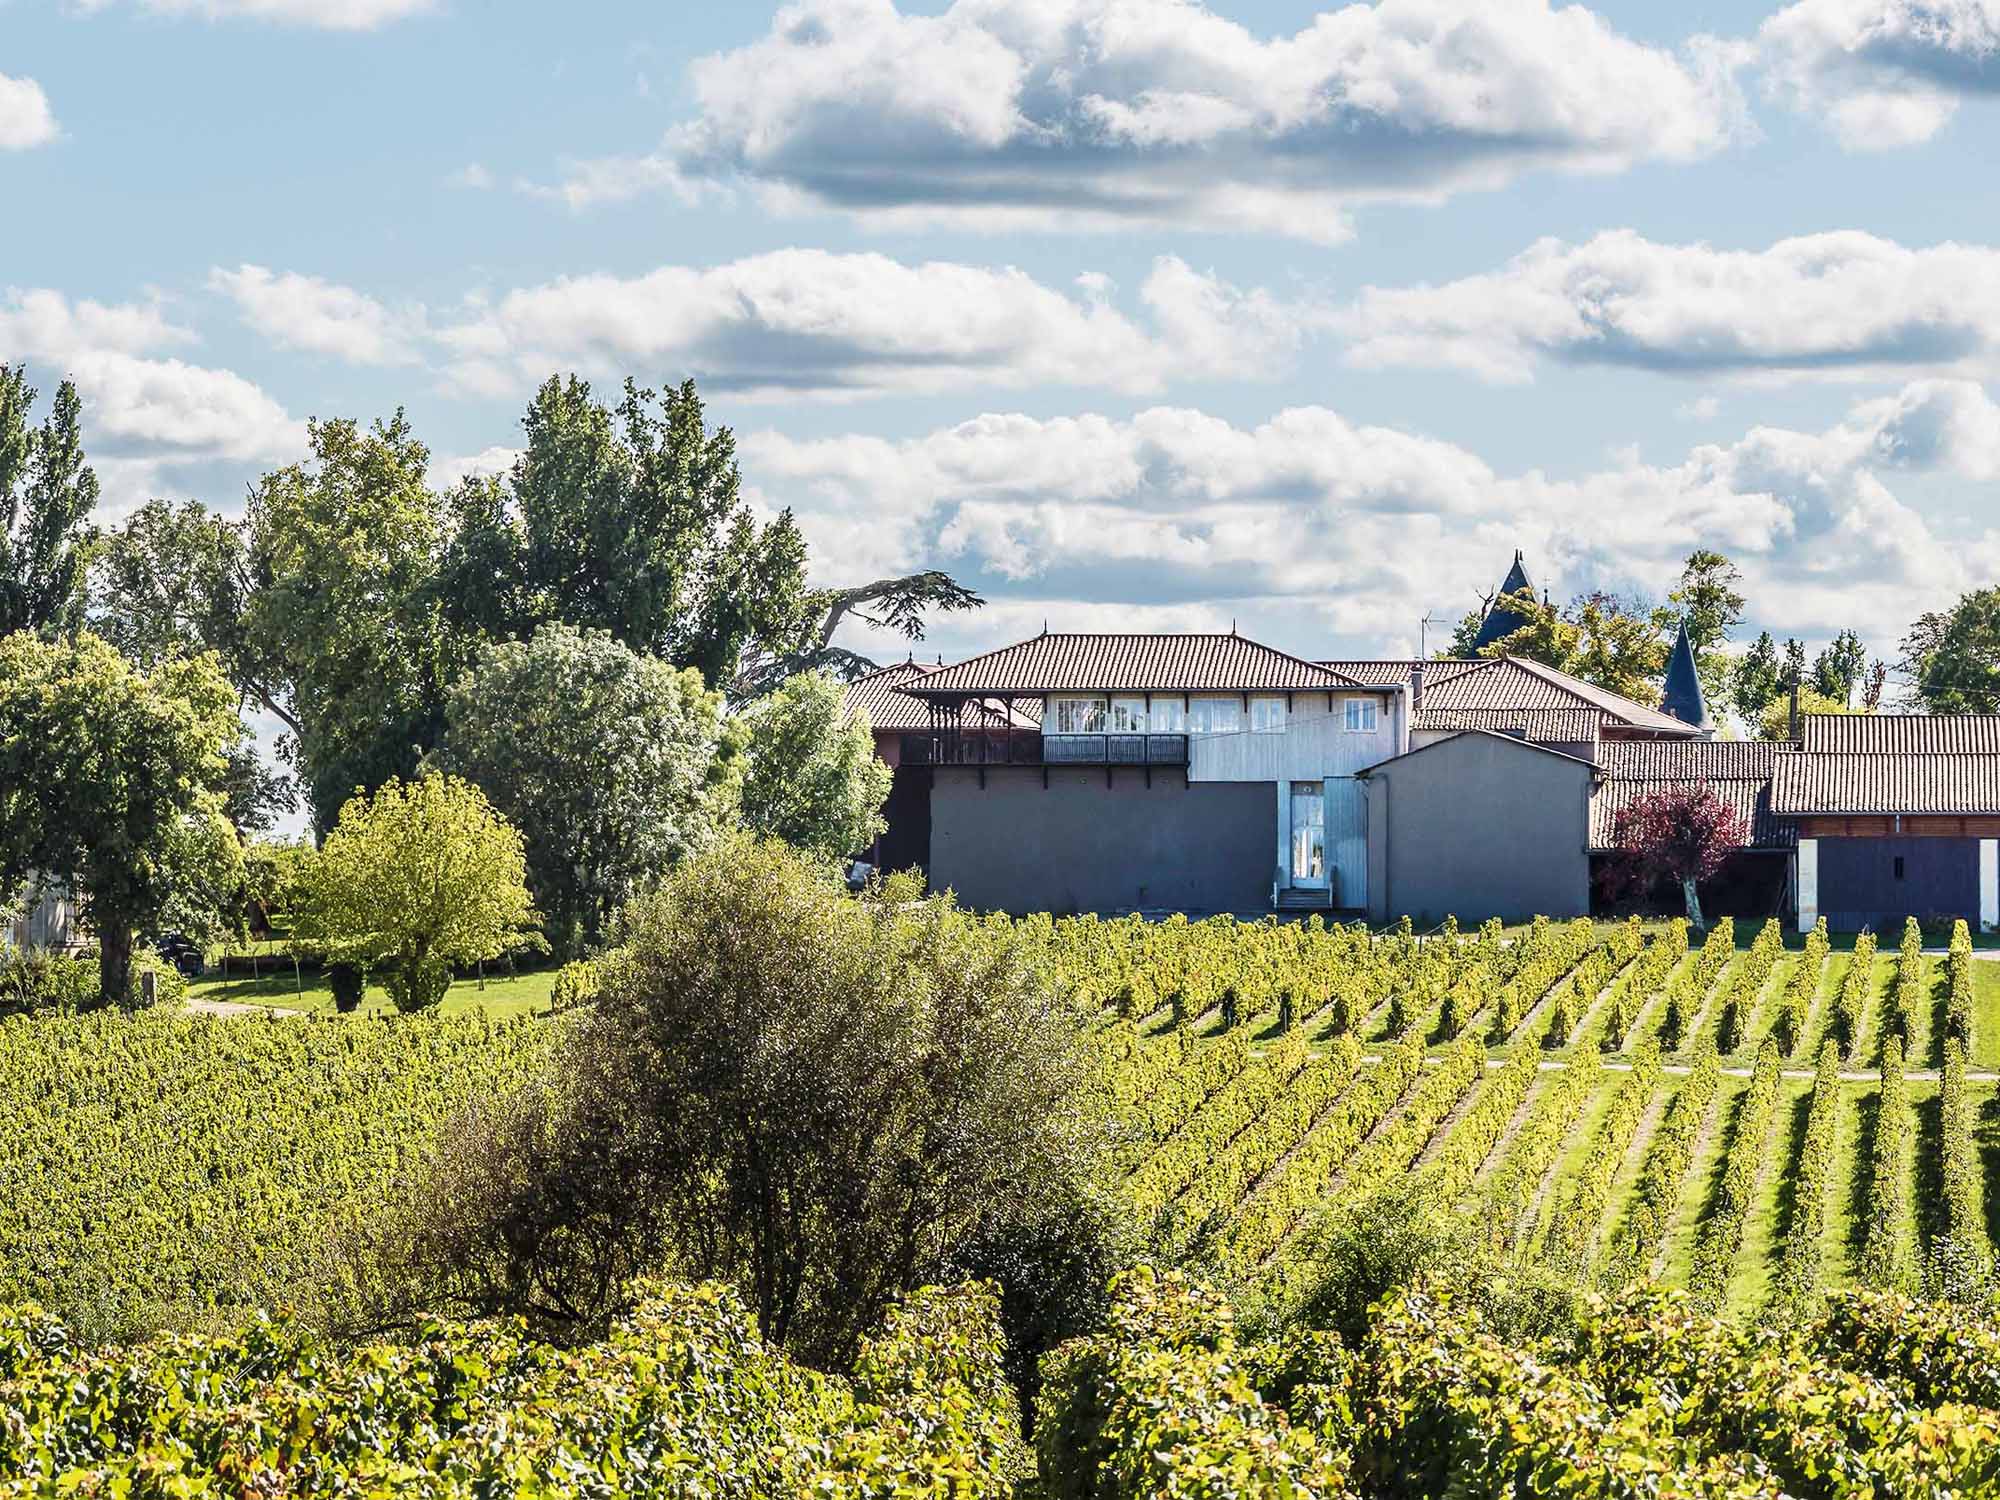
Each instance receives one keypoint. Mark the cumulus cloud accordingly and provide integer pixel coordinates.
(1882, 73)
(328, 15)
(142, 406)
(1345, 532)
(25, 117)
(817, 324)
(307, 312)
(1097, 113)
(1839, 304)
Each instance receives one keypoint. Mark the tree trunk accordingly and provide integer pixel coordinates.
(1693, 905)
(114, 969)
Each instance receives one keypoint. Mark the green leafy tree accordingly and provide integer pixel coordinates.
(1756, 680)
(415, 879)
(630, 522)
(111, 784)
(1709, 601)
(606, 760)
(811, 777)
(1599, 637)
(1953, 658)
(343, 550)
(1838, 668)
(1620, 645)
(47, 494)
(1775, 723)
(827, 1101)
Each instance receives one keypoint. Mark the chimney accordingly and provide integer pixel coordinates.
(1416, 688)
(1794, 734)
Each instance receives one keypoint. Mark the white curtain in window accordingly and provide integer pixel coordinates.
(1128, 715)
(1361, 714)
(1169, 715)
(1078, 715)
(1267, 715)
(1215, 715)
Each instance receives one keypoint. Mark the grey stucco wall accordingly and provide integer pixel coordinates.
(1478, 826)
(1080, 845)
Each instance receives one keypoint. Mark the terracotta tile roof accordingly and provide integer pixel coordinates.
(1692, 760)
(1750, 796)
(1906, 734)
(1886, 783)
(1568, 726)
(1133, 663)
(880, 696)
(1513, 682)
(1624, 710)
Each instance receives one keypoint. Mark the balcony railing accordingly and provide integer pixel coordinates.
(1027, 748)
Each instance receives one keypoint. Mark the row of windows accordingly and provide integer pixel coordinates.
(1201, 714)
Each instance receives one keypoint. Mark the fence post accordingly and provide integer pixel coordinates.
(149, 988)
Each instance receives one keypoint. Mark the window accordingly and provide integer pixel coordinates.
(1077, 715)
(1899, 867)
(1128, 715)
(1267, 715)
(1215, 715)
(1169, 715)
(1361, 715)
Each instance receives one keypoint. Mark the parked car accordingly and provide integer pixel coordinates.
(184, 954)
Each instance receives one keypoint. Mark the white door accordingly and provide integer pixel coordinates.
(1308, 835)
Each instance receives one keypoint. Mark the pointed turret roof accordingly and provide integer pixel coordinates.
(1683, 697)
(1501, 621)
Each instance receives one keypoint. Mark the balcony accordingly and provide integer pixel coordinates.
(1028, 748)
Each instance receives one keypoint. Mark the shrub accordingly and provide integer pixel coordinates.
(826, 1100)
(42, 980)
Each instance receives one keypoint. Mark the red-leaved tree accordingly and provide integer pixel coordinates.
(1681, 833)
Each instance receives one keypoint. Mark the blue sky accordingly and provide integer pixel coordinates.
(1132, 312)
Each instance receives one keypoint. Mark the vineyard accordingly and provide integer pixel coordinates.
(1755, 1124)
(162, 1169)
(1702, 1138)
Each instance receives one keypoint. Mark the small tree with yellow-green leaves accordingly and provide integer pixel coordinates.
(417, 878)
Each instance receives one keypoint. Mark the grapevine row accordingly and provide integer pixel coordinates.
(1844, 1027)
(1812, 1185)
(1639, 982)
(1720, 1235)
(1300, 1181)
(1631, 1251)
(1795, 1006)
(1572, 1230)
(1745, 983)
(1882, 1232)
(1169, 1169)
(1555, 1113)
(1959, 1220)
(1450, 1172)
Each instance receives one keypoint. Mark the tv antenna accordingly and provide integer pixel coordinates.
(1424, 633)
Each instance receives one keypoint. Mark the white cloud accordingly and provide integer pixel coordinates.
(1094, 113)
(328, 15)
(1823, 305)
(471, 176)
(1347, 532)
(814, 323)
(306, 312)
(148, 408)
(448, 470)
(1882, 73)
(25, 117)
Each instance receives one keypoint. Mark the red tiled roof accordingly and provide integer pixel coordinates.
(1568, 726)
(1886, 783)
(1514, 682)
(880, 696)
(1905, 734)
(1132, 663)
(1692, 760)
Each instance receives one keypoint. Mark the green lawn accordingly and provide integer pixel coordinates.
(524, 993)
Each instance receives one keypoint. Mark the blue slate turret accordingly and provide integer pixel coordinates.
(1683, 697)
(1501, 621)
